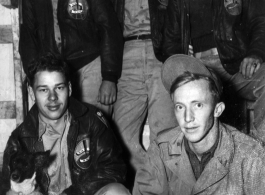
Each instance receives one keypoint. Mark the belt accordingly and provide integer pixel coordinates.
(138, 37)
(208, 52)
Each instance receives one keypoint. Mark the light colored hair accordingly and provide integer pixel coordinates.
(188, 77)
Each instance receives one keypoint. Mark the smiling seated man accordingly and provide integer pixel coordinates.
(87, 155)
(202, 155)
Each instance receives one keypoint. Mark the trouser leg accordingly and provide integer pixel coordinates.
(254, 89)
(250, 89)
(160, 106)
(140, 91)
(130, 109)
(86, 83)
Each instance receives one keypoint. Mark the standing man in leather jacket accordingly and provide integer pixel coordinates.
(141, 93)
(228, 36)
(87, 35)
(87, 155)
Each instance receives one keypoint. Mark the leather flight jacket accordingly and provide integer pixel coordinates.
(238, 29)
(89, 173)
(90, 31)
(158, 15)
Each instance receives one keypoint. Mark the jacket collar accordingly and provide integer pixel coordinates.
(31, 122)
(214, 171)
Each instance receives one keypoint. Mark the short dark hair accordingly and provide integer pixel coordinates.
(187, 77)
(48, 62)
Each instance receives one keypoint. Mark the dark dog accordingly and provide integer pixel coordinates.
(23, 165)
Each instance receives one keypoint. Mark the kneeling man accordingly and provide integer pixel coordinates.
(202, 155)
(87, 158)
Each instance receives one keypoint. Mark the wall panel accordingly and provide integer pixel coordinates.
(11, 104)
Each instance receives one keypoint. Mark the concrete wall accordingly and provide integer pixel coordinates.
(11, 107)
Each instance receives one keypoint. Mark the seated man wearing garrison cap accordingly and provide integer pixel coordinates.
(202, 155)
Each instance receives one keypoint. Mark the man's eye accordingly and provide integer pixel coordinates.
(198, 105)
(60, 88)
(43, 90)
(179, 107)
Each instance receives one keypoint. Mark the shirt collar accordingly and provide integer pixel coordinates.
(43, 126)
(208, 152)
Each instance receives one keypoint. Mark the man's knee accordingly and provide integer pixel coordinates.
(113, 189)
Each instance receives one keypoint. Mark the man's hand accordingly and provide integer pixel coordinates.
(53, 193)
(249, 66)
(190, 52)
(107, 93)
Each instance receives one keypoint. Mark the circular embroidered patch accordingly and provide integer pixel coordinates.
(77, 9)
(82, 154)
(233, 7)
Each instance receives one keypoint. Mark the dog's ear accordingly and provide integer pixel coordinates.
(14, 146)
(42, 159)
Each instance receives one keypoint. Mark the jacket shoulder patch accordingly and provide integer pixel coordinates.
(102, 118)
(233, 7)
(77, 10)
(82, 154)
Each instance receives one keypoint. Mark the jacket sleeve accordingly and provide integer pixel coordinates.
(256, 28)
(28, 44)
(106, 166)
(254, 174)
(151, 177)
(111, 39)
(172, 43)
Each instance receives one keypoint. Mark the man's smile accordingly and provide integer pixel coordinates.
(232, 5)
(190, 129)
(53, 107)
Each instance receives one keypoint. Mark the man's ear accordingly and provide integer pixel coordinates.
(70, 88)
(31, 93)
(219, 108)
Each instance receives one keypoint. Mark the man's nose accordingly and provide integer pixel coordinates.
(189, 116)
(53, 96)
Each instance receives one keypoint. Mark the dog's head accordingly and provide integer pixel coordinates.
(24, 164)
